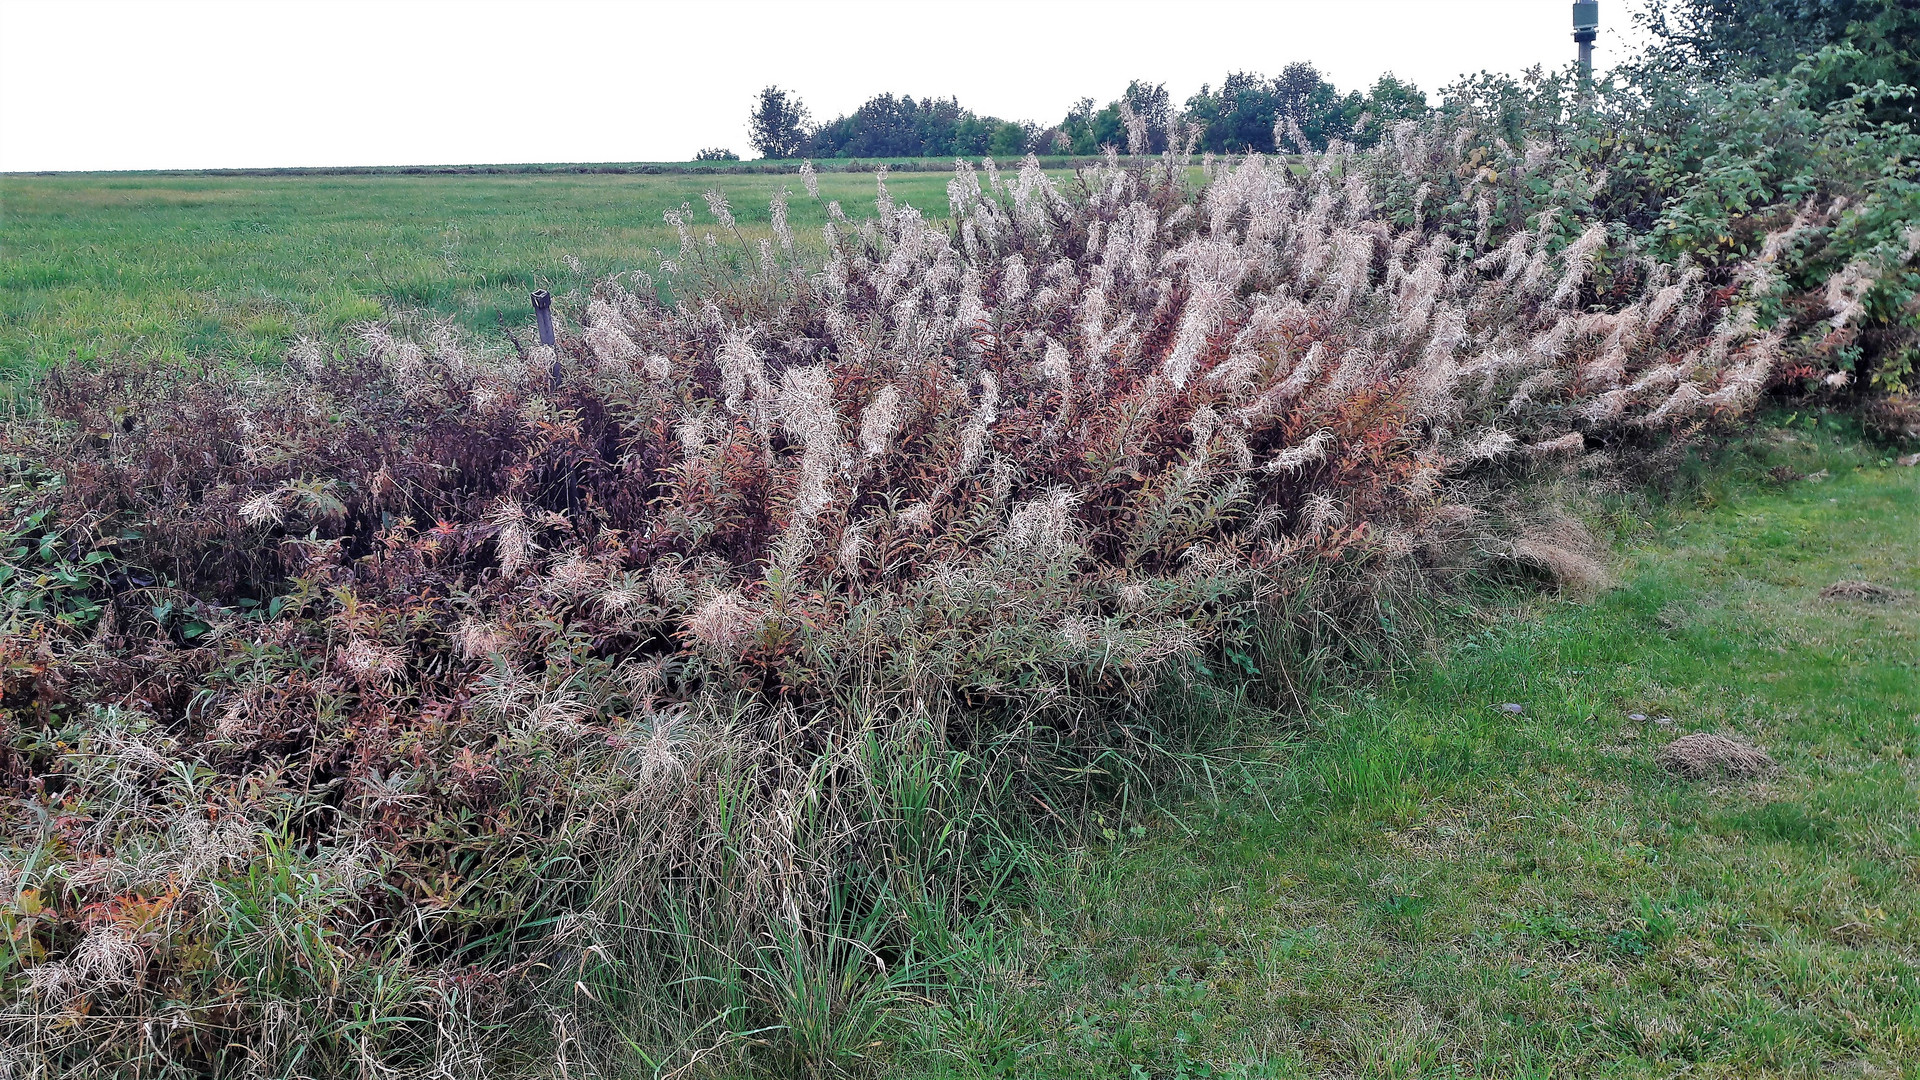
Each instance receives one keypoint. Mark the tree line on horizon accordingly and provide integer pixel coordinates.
(1238, 117)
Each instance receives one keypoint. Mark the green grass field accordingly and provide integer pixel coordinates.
(1419, 884)
(235, 267)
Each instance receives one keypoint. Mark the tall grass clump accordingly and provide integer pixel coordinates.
(660, 699)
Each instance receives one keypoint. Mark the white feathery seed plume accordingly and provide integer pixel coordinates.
(807, 412)
(1013, 279)
(107, 956)
(367, 659)
(1056, 367)
(263, 509)
(918, 517)
(741, 371)
(879, 421)
(718, 206)
(1295, 458)
(1136, 127)
(475, 638)
(513, 538)
(610, 344)
(1846, 291)
(853, 546)
(777, 213)
(1579, 257)
(1571, 443)
(1323, 514)
(1043, 525)
(723, 622)
(973, 439)
(1205, 308)
(1489, 444)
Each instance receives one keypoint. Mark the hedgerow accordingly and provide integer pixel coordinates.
(654, 696)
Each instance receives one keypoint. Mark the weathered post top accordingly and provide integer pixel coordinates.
(542, 305)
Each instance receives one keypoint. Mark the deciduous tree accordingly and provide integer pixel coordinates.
(778, 124)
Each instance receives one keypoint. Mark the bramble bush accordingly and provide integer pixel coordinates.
(1811, 202)
(664, 697)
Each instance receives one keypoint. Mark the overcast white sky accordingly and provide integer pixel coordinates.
(159, 84)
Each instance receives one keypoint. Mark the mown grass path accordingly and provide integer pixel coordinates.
(1435, 887)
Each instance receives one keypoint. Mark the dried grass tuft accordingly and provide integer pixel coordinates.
(1568, 553)
(1702, 755)
(1862, 591)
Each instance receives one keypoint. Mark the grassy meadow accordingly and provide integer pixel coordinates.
(236, 267)
(1417, 883)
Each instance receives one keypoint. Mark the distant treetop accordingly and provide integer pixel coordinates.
(778, 125)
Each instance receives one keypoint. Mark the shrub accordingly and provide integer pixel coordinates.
(1811, 205)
